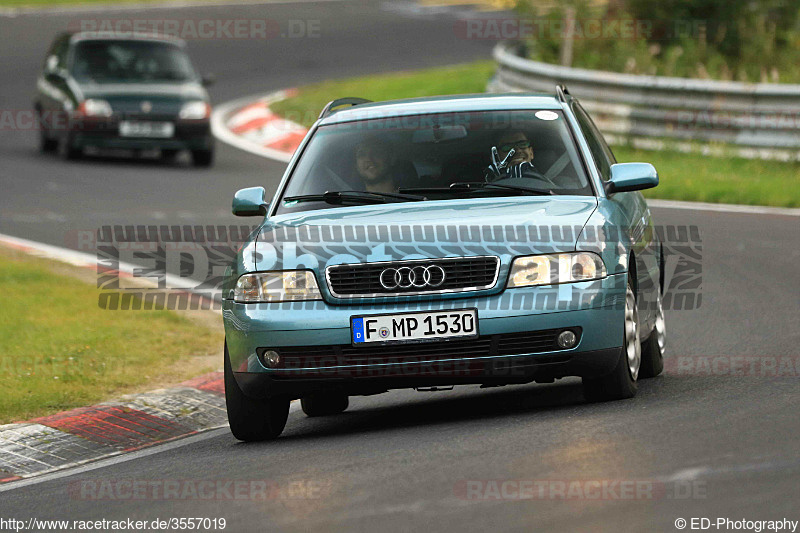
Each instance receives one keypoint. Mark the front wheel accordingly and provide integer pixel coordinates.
(653, 348)
(46, 143)
(203, 158)
(67, 151)
(324, 404)
(621, 382)
(169, 155)
(252, 419)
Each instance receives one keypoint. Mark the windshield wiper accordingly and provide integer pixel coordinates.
(357, 197)
(467, 186)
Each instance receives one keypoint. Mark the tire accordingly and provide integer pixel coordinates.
(169, 155)
(46, 143)
(654, 347)
(67, 151)
(252, 419)
(621, 382)
(202, 158)
(324, 404)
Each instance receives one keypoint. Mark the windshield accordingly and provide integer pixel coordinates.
(435, 157)
(131, 61)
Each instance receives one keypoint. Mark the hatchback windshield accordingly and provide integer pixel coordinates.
(131, 61)
(436, 157)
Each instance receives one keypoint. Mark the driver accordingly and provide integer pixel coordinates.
(519, 165)
(374, 160)
(518, 141)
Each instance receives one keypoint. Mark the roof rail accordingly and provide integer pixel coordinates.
(348, 100)
(562, 92)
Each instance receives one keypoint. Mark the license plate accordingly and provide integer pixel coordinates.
(160, 130)
(414, 326)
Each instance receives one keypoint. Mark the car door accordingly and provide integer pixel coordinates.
(636, 219)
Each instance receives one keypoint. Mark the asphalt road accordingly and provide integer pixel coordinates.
(46, 199)
(712, 445)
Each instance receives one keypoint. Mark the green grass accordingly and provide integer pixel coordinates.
(459, 79)
(62, 3)
(59, 350)
(727, 180)
(691, 177)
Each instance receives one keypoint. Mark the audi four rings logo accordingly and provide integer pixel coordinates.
(419, 277)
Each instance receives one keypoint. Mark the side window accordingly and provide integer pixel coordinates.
(59, 50)
(597, 145)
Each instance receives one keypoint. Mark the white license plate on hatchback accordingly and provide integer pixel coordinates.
(153, 130)
(436, 325)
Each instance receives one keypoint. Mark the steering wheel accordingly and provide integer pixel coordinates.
(527, 170)
(499, 170)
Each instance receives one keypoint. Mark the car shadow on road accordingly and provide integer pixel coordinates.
(543, 401)
(126, 157)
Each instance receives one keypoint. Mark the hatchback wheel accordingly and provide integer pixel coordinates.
(46, 143)
(169, 155)
(67, 151)
(252, 419)
(621, 382)
(202, 158)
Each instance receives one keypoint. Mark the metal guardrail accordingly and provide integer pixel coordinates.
(756, 120)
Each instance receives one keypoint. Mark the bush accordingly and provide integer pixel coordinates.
(720, 39)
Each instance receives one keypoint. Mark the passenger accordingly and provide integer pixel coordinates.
(374, 161)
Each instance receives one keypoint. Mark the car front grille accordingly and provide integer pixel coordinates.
(344, 355)
(443, 275)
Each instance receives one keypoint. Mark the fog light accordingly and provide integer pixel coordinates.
(272, 358)
(567, 339)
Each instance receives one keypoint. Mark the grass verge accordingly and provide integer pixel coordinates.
(66, 3)
(690, 177)
(59, 350)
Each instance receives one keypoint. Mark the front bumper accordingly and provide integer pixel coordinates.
(104, 134)
(595, 307)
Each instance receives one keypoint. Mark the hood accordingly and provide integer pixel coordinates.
(505, 227)
(127, 97)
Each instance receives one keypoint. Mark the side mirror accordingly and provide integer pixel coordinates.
(52, 64)
(250, 202)
(631, 177)
(208, 80)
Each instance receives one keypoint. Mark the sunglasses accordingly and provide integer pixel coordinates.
(518, 145)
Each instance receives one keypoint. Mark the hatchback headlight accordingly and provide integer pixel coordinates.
(555, 268)
(94, 107)
(195, 110)
(293, 285)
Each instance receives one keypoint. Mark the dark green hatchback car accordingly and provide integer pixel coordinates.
(134, 92)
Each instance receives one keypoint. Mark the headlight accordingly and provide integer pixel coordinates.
(555, 268)
(291, 285)
(94, 107)
(195, 110)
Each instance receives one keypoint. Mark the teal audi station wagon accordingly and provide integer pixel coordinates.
(435, 242)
